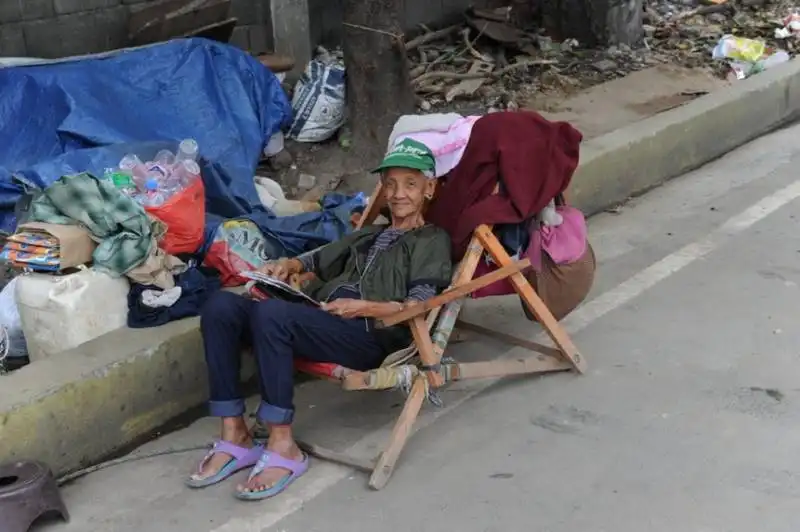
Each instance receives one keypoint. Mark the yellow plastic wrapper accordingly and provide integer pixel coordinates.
(739, 48)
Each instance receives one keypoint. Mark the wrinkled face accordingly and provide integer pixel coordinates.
(405, 191)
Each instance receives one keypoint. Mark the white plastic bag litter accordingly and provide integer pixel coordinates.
(269, 191)
(318, 103)
(271, 195)
(274, 144)
(11, 322)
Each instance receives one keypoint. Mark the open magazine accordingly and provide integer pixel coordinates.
(278, 289)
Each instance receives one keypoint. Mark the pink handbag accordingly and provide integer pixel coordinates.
(564, 244)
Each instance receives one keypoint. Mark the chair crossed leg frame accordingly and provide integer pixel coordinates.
(564, 356)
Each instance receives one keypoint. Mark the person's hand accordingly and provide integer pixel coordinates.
(345, 308)
(279, 269)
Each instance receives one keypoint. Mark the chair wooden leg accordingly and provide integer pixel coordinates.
(527, 365)
(400, 434)
(422, 339)
(532, 299)
(509, 339)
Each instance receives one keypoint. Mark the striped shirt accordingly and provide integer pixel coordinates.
(384, 241)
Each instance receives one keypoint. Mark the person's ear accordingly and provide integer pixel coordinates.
(430, 188)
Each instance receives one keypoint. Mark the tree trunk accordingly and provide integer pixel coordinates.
(592, 22)
(378, 87)
(523, 13)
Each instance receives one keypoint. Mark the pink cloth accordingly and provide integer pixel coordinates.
(564, 244)
(448, 145)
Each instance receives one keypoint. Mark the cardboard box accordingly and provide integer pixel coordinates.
(75, 244)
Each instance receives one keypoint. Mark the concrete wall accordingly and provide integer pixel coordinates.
(59, 28)
(253, 31)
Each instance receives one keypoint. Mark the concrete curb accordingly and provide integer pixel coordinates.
(74, 409)
(638, 157)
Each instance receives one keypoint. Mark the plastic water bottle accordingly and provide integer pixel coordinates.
(121, 179)
(165, 158)
(133, 165)
(152, 197)
(779, 57)
(187, 171)
(188, 150)
(157, 170)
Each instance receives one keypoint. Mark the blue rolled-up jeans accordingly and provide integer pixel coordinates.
(277, 331)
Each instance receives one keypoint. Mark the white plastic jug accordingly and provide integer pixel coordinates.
(62, 312)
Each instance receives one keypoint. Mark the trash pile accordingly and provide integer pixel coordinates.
(791, 27)
(733, 39)
(491, 62)
(170, 188)
(747, 56)
(152, 183)
(114, 224)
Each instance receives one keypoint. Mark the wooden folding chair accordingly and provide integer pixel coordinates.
(422, 317)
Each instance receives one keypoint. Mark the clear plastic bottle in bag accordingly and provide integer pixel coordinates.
(121, 179)
(187, 172)
(152, 196)
(188, 150)
(132, 164)
(165, 159)
(157, 170)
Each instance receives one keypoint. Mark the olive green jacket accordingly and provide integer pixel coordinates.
(420, 256)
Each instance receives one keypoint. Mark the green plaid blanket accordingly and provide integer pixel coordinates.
(119, 224)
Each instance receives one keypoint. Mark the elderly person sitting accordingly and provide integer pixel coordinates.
(366, 276)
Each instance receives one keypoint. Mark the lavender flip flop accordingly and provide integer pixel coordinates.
(271, 460)
(241, 458)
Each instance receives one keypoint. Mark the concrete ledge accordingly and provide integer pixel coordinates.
(74, 409)
(635, 158)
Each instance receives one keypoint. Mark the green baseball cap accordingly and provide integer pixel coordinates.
(409, 153)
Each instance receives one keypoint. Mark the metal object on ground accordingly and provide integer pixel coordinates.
(27, 491)
(276, 63)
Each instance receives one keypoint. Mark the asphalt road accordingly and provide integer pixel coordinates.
(687, 420)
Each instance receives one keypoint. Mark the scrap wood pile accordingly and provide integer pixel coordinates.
(488, 58)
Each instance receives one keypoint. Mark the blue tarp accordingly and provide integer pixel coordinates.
(59, 118)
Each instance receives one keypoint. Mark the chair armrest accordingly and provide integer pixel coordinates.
(453, 293)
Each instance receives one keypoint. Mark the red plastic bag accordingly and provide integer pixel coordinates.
(185, 217)
(237, 246)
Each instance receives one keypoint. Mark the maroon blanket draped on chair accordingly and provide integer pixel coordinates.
(532, 158)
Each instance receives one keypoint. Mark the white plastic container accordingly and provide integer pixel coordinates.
(62, 312)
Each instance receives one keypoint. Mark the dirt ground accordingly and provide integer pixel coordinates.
(614, 104)
(488, 64)
(593, 111)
